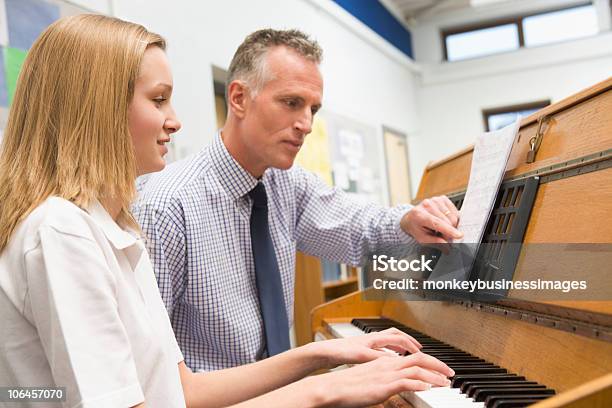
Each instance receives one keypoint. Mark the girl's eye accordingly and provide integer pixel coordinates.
(159, 101)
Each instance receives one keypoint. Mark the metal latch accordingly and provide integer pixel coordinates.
(536, 141)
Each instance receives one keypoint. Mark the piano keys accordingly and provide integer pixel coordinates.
(477, 382)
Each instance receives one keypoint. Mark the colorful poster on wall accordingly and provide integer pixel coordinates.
(27, 19)
(13, 60)
(21, 22)
(3, 87)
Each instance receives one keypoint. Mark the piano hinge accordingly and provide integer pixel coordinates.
(581, 165)
(591, 330)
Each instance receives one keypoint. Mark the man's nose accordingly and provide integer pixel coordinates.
(304, 123)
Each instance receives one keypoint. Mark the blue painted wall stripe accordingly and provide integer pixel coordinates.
(373, 14)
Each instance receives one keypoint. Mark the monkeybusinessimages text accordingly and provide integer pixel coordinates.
(384, 263)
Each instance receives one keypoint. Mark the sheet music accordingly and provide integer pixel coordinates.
(491, 153)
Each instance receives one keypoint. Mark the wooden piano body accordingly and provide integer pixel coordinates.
(565, 345)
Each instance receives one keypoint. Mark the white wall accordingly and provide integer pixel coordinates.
(365, 78)
(439, 105)
(451, 96)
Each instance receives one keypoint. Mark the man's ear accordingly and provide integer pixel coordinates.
(238, 98)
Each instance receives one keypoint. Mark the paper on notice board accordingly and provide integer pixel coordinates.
(341, 176)
(491, 153)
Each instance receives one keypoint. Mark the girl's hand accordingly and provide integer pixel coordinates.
(374, 382)
(361, 349)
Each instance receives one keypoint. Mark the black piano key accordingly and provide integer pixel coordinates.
(482, 394)
(373, 329)
(509, 402)
(362, 323)
(447, 353)
(471, 392)
(459, 379)
(466, 364)
(463, 360)
(465, 387)
(480, 370)
(434, 347)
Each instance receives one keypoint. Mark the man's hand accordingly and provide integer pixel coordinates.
(433, 221)
(361, 349)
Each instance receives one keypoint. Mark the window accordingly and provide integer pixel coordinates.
(523, 31)
(481, 42)
(497, 118)
(560, 26)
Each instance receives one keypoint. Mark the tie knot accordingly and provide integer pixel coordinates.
(258, 195)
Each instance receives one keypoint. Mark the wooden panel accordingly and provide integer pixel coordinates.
(308, 294)
(446, 177)
(594, 394)
(575, 209)
(578, 131)
(561, 360)
(349, 305)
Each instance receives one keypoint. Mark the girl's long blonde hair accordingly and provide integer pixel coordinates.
(67, 133)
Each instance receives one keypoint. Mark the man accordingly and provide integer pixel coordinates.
(224, 225)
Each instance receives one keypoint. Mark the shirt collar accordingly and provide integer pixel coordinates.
(234, 179)
(117, 236)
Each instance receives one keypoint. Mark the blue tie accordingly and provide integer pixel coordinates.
(269, 286)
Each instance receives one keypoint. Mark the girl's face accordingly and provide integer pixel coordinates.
(151, 118)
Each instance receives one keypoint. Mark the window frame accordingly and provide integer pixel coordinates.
(515, 19)
(486, 113)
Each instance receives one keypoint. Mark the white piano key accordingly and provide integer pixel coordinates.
(441, 397)
(344, 330)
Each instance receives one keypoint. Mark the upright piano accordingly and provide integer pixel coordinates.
(558, 351)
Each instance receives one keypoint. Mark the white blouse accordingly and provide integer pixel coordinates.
(81, 309)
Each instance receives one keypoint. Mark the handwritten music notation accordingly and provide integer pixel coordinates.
(491, 153)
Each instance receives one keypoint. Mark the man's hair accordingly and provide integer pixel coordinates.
(248, 63)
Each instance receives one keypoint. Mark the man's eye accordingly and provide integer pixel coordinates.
(291, 103)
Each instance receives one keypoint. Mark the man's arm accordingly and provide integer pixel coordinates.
(164, 232)
(332, 225)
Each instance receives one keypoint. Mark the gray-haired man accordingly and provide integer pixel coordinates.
(224, 225)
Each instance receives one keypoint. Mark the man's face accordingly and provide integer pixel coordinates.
(280, 116)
